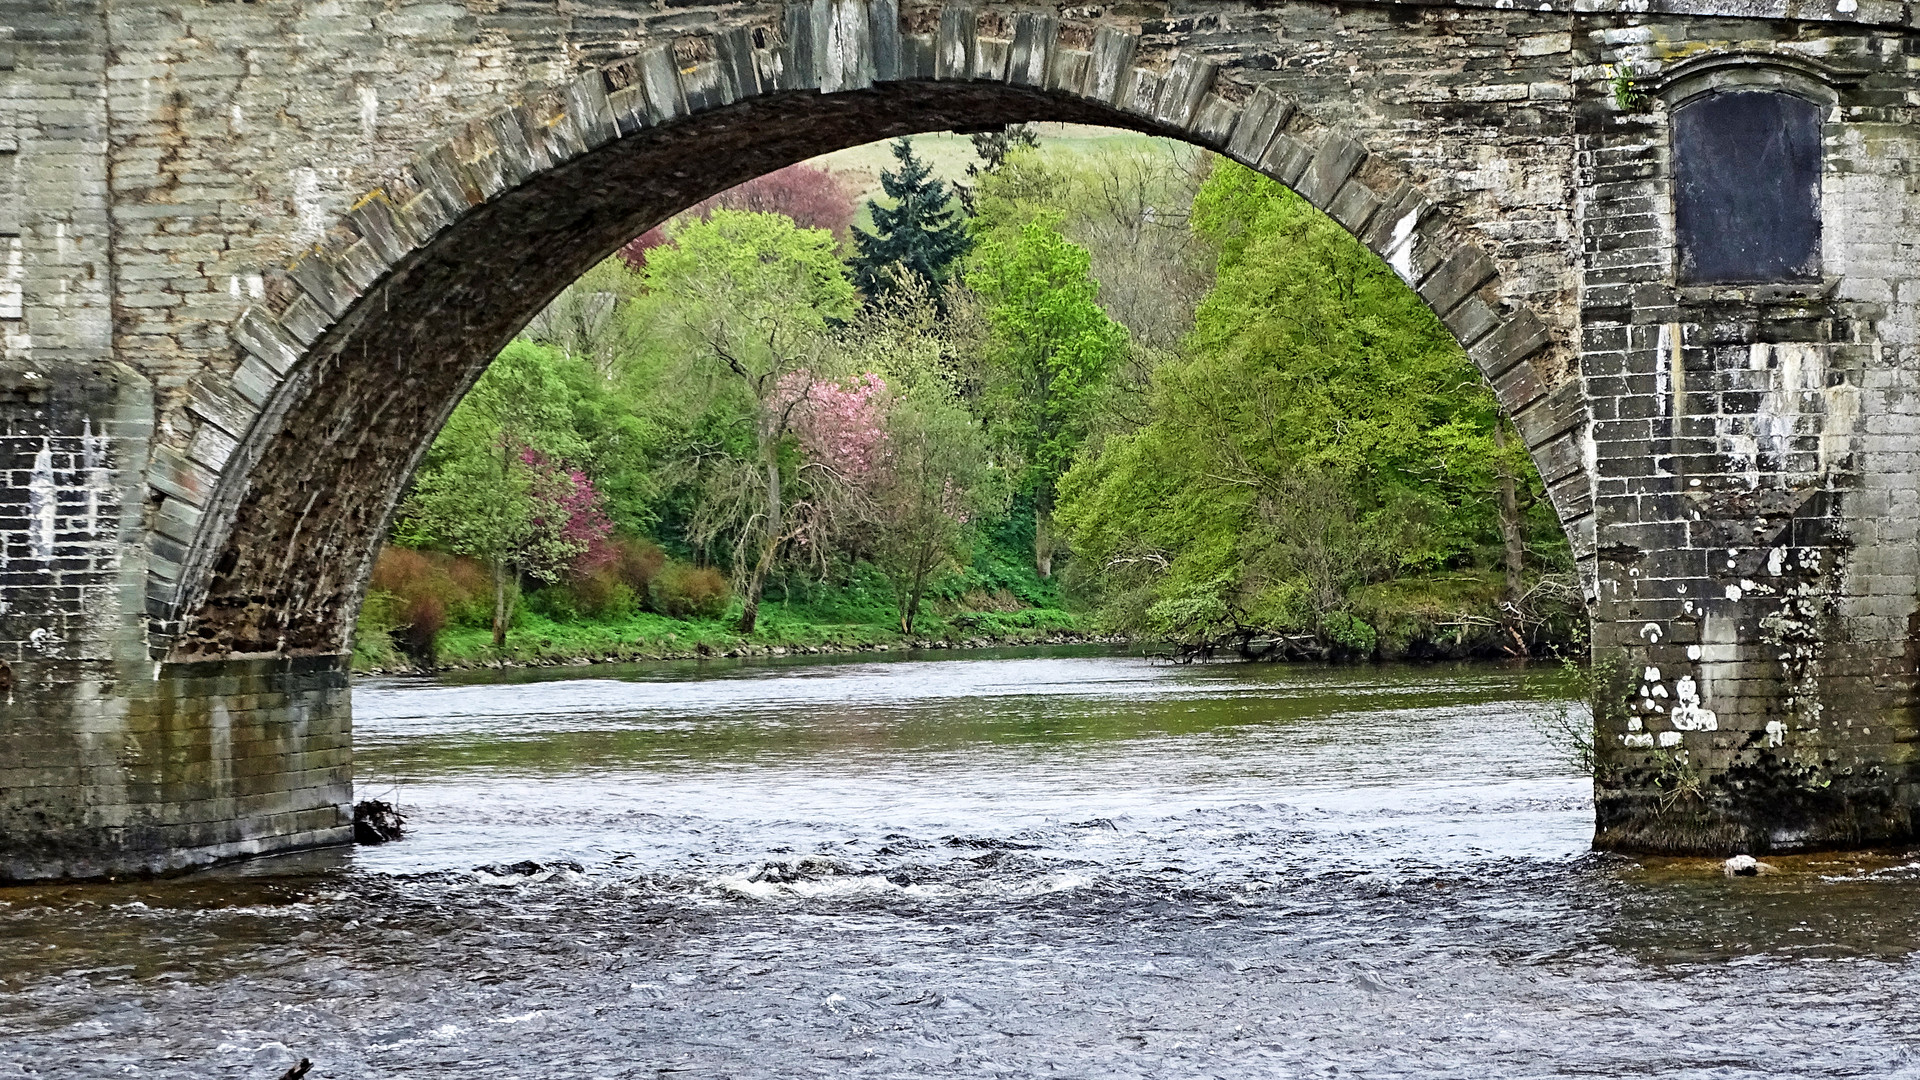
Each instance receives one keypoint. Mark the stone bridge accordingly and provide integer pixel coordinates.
(253, 251)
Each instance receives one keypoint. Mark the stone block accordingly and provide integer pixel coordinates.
(1335, 160)
(1110, 64)
(954, 42)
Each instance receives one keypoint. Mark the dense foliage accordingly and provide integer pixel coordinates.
(1319, 435)
(1162, 391)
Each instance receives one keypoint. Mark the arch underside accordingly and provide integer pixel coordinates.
(266, 525)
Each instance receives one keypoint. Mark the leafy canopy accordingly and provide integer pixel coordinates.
(1320, 430)
(1052, 345)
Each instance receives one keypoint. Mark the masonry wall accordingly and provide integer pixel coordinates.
(1755, 457)
(121, 769)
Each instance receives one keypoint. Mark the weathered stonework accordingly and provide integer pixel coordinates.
(259, 250)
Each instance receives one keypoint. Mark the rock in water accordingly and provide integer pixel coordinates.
(1744, 866)
(376, 822)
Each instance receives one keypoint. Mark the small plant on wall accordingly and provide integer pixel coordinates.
(1624, 83)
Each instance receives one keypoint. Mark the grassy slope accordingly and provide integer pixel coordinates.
(950, 154)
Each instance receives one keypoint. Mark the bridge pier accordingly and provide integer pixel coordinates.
(120, 769)
(237, 299)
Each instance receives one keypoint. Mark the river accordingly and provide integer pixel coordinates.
(1011, 864)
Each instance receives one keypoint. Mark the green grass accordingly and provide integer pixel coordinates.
(950, 154)
(535, 638)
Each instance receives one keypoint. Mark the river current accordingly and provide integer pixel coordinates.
(1070, 864)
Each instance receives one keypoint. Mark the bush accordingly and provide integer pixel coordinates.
(418, 634)
(556, 602)
(619, 586)
(418, 592)
(684, 591)
(1350, 637)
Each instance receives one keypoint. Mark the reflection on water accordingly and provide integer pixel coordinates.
(1014, 864)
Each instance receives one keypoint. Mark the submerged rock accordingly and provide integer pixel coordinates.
(811, 868)
(528, 868)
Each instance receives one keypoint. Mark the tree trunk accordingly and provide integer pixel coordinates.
(499, 605)
(922, 567)
(1043, 538)
(1510, 521)
(769, 545)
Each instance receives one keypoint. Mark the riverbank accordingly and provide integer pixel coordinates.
(538, 641)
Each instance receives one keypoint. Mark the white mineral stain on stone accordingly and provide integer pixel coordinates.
(1669, 738)
(13, 280)
(1733, 592)
(42, 502)
(1836, 431)
(1693, 652)
(1773, 562)
(1776, 733)
(1847, 7)
(369, 112)
(1688, 713)
(1399, 253)
(1651, 632)
(307, 207)
(93, 458)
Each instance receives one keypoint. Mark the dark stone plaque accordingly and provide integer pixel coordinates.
(1746, 168)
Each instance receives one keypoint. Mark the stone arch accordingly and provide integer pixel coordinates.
(266, 517)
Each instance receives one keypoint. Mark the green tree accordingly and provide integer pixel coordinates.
(584, 321)
(922, 234)
(1319, 432)
(746, 299)
(936, 484)
(487, 489)
(1051, 352)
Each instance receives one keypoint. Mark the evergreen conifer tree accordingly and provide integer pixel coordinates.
(923, 233)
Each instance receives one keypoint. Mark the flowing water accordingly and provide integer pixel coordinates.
(1013, 864)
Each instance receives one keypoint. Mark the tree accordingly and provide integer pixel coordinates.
(1319, 434)
(814, 197)
(494, 486)
(1128, 205)
(584, 320)
(993, 148)
(936, 482)
(1051, 352)
(747, 298)
(915, 458)
(922, 233)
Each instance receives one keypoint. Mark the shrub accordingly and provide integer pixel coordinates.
(421, 621)
(1350, 636)
(618, 585)
(684, 591)
(419, 592)
(556, 602)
